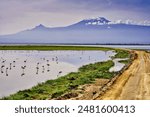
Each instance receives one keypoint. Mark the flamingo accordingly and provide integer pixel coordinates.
(25, 61)
(23, 67)
(22, 74)
(59, 73)
(37, 67)
(14, 63)
(10, 66)
(2, 68)
(7, 71)
(43, 69)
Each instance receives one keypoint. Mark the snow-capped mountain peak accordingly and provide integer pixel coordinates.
(96, 21)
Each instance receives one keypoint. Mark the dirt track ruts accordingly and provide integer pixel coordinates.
(134, 83)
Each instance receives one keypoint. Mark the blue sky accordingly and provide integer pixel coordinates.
(17, 15)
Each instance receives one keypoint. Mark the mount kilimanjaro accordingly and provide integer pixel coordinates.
(95, 30)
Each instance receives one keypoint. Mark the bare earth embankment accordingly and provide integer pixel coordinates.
(133, 83)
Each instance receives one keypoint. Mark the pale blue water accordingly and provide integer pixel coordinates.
(14, 78)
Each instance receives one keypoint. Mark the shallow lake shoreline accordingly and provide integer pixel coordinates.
(39, 92)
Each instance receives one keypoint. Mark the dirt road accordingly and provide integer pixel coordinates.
(134, 83)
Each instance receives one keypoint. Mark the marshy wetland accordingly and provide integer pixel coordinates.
(36, 74)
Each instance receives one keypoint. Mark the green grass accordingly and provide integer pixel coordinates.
(122, 54)
(54, 88)
(124, 61)
(36, 47)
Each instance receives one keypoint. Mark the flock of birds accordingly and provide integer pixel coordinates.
(11, 65)
(47, 66)
(24, 69)
(4, 69)
(41, 65)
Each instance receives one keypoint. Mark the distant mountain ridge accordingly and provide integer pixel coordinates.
(94, 30)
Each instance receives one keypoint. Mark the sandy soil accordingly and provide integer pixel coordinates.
(90, 91)
(134, 83)
(85, 92)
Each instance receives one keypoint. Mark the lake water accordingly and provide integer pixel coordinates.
(142, 47)
(24, 69)
(118, 66)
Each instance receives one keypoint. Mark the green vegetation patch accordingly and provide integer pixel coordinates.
(124, 61)
(54, 88)
(122, 54)
(38, 47)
